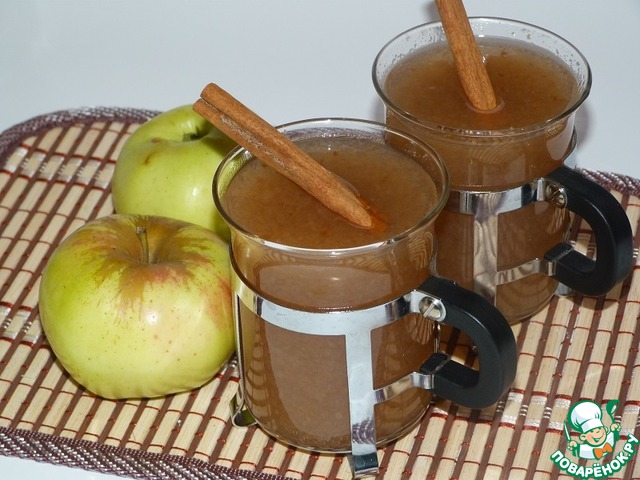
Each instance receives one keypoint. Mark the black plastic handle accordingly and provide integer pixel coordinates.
(612, 231)
(493, 338)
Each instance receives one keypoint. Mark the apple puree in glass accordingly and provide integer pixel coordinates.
(290, 376)
(526, 138)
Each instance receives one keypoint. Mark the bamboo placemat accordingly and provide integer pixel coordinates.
(55, 172)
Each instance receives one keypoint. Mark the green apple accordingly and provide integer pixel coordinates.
(139, 306)
(166, 168)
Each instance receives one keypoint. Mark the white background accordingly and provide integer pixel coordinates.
(287, 60)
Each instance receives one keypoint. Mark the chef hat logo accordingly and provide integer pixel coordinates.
(585, 416)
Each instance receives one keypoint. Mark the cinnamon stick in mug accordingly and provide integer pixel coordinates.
(261, 139)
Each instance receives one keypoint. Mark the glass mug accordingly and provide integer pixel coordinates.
(506, 222)
(337, 347)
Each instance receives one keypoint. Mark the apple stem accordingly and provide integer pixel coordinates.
(141, 232)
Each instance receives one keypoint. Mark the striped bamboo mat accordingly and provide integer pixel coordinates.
(55, 172)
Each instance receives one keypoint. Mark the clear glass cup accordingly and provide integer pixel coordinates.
(337, 346)
(506, 223)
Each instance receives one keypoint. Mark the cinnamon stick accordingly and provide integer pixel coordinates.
(265, 142)
(468, 59)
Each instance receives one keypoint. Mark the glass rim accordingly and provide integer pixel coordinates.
(482, 133)
(320, 123)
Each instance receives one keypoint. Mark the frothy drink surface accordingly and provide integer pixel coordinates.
(265, 203)
(531, 86)
(296, 384)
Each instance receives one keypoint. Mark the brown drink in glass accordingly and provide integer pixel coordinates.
(540, 80)
(305, 256)
(335, 323)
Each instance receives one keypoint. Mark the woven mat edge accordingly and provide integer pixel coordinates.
(11, 137)
(113, 460)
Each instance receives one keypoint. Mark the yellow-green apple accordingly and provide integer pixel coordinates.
(139, 306)
(166, 168)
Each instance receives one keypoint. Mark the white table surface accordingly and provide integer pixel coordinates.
(287, 60)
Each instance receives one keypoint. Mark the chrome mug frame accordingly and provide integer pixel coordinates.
(485, 207)
(356, 327)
